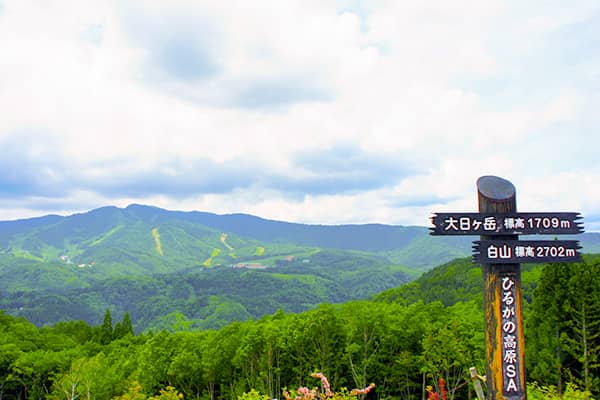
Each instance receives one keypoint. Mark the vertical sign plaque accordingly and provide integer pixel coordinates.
(511, 370)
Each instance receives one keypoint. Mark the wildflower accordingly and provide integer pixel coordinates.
(432, 395)
(366, 390)
(324, 382)
(443, 389)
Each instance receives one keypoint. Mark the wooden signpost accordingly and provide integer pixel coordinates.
(500, 252)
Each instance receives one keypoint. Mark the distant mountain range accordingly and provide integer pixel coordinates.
(204, 269)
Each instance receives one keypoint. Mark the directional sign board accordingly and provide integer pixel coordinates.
(500, 253)
(545, 223)
(525, 251)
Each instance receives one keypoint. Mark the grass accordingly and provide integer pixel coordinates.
(25, 254)
(156, 237)
(224, 241)
(106, 235)
(209, 260)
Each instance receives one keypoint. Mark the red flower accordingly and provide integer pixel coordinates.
(443, 389)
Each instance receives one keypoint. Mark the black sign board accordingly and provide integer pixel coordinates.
(546, 223)
(525, 251)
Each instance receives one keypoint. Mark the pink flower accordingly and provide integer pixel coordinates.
(324, 381)
(363, 391)
(303, 390)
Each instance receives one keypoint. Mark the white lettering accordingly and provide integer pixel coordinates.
(519, 223)
(509, 327)
(510, 356)
(505, 251)
(465, 223)
(512, 386)
(489, 223)
(492, 251)
(451, 224)
(520, 251)
(507, 283)
(510, 342)
(529, 251)
(508, 299)
(508, 312)
(511, 371)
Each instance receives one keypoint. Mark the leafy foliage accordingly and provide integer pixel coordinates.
(403, 346)
(566, 315)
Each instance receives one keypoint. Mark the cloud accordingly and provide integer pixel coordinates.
(177, 179)
(315, 111)
(31, 165)
(177, 45)
(38, 171)
(187, 52)
(278, 93)
(343, 168)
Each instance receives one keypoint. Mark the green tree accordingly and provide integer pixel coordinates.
(79, 331)
(123, 328)
(88, 378)
(105, 332)
(452, 345)
(366, 329)
(155, 357)
(544, 324)
(185, 369)
(581, 336)
(564, 326)
(271, 361)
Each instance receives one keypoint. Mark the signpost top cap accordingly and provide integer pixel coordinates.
(493, 187)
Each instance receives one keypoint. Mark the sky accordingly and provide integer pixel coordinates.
(320, 112)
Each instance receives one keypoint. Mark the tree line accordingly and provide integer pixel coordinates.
(402, 348)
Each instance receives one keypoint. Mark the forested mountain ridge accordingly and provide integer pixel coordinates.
(461, 281)
(158, 240)
(200, 269)
(164, 266)
(163, 240)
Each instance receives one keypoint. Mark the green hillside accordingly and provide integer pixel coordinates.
(208, 270)
(214, 297)
(461, 281)
(77, 251)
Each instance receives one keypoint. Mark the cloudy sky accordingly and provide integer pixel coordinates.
(327, 112)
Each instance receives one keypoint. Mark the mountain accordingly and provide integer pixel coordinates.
(203, 269)
(150, 239)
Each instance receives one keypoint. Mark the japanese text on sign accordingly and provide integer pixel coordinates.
(510, 350)
(505, 224)
(517, 251)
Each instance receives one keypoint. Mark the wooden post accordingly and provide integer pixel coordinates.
(505, 343)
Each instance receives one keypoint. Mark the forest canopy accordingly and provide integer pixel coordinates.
(401, 346)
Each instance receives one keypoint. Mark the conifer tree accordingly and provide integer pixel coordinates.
(106, 329)
(126, 325)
